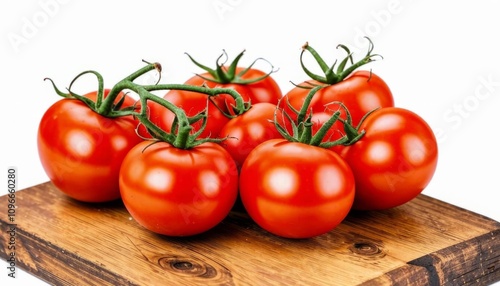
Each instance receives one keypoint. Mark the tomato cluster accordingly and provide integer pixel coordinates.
(297, 163)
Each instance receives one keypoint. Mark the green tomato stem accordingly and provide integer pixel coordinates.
(331, 76)
(302, 127)
(106, 108)
(306, 134)
(318, 137)
(307, 102)
(100, 89)
(240, 107)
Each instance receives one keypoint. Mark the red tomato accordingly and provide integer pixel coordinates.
(248, 130)
(223, 101)
(178, 192)
(394, 161)
(81, 151)
(296, 190)
(361, 92)
(265, 90)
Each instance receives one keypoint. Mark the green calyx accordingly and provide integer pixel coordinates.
(302, 126)
(352, 134)
(330, 74)
(228, 73)
(181, 135)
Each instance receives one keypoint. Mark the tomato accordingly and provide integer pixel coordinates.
(265, 90)
(394, 161)
(253, 85)
(81, 151)
(361, 92)
(178, 192)
(358, 91)
(248, 130)
(222, 101)
(296, 190)
(218, 109)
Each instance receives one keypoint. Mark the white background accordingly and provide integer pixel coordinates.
(441, 60)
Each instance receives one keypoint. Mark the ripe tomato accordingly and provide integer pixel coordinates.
(248, 130)
(81, 151)
(296, 190)
(265, 90)
(222, 101)
(252, 84)
(394, 161)
(361, 92)
(178, 192)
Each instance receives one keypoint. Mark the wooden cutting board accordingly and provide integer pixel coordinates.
(424, 242)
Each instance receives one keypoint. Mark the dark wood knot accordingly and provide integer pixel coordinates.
(367, 249)
(188, 266)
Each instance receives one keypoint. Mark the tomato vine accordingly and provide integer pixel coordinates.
(180, 135)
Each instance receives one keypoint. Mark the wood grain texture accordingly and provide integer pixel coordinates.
(424, 242)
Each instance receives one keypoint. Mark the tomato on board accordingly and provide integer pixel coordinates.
(343, 88)
(253, 85)
(178, 192)
(361, 92)
(246, 131)
(193, 103)
(296, 190)
(394, 161)
(81, 151)
(264, 90)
